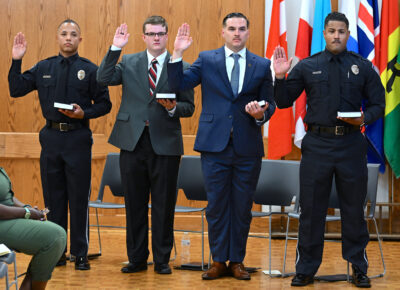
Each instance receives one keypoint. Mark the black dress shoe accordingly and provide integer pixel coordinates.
(302, 280)
(82, 263)
(134, 267)
(360, 279)
(162, 268)
(62, 261)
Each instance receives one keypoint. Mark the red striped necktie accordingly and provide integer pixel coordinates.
(153, 76)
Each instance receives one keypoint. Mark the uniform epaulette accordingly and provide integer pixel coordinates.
(51, 57)
(315, 54)
(357, 55)
(85, 59)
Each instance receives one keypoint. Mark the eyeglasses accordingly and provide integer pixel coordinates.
(153, 34)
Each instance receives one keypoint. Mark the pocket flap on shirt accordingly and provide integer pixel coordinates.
(123, 116)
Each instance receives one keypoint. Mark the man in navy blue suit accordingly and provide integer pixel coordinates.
(233, 82)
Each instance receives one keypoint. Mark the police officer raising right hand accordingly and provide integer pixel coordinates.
(66, 139)
(335, 80)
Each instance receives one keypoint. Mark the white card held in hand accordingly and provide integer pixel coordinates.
(349, 114)
(261, 103)
(165, 96)
(63, 106)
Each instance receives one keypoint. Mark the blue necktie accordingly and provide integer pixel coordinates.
(235, 74)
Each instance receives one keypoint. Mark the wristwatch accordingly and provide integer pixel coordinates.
(27, 213)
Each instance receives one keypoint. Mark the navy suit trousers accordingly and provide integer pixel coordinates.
(230, 183)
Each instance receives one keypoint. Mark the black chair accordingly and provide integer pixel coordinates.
(9, 259)
(277, 186)
(190, 180)
(111, 178)
(370, 203)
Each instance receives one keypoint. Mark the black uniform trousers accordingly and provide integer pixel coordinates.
(322, 157)
(142, 172)
(65, 165)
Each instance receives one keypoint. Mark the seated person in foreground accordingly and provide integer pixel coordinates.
(26, 230)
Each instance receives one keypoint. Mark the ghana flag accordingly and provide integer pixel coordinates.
(389, 67)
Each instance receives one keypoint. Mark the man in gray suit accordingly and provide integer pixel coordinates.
(148, 132)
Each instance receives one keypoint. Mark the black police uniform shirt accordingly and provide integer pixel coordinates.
(81, 87)
(359, 83)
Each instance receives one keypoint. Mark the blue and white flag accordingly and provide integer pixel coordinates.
(368, 29)
(348, 7)
(322, 9)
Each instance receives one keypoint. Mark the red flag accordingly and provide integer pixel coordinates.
(281, 123)
(303, 48)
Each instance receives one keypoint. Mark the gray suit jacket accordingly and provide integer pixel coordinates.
(137, 106)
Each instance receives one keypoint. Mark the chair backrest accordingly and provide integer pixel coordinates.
(278, 182)
(3, 270)
(190, 178)
(111, 176)
(372, 186)
(333, 197)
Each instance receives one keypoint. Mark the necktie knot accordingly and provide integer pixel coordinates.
(235, 56)
(64, 61)
(154, 62)
(335, 59)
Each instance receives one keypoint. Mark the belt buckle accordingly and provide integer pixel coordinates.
(339, 130)
(63, 127)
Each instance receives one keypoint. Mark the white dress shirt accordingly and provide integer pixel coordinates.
(229, 62)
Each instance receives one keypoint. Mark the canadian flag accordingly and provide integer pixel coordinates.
(303, 48)
(281, 123)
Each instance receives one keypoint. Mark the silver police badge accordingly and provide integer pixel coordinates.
(81, 74)
(355, 69)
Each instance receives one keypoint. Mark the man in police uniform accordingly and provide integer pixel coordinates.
(66, 139)
(335, 80)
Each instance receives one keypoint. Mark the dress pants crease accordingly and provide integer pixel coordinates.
(142, 172)
(230, 183)
(66, 177)
(323, 158)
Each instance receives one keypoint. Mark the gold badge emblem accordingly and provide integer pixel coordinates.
(355, 69)
(81, 74)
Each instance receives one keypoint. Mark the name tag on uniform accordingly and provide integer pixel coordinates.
(47, 76)
(318, 72)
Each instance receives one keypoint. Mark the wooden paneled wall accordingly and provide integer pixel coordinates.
(38, 20)
(21, 119)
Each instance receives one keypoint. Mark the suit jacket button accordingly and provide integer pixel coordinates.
(230, 117)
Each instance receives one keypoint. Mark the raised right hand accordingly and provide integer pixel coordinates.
(19, 46)
(182, 41)
(281, 63)
(121, 36)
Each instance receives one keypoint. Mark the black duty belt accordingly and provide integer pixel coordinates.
(65, 127)
(336, 130)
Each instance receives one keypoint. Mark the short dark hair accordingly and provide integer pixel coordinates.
(69, 21)
(235, 15)
(336, 16)
(155, 20)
